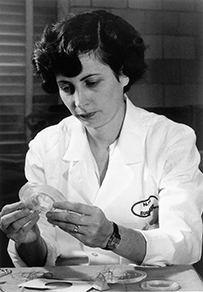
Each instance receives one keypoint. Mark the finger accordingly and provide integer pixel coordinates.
(18, 234)
(17, 225)
(70, 228)
(74, 207)
(67, 217)
(82, 233)
(10, 218)
(30, 224)
(11, 207)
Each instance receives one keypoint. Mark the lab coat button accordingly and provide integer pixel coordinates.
(95, 254)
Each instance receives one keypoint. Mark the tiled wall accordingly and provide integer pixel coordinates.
(173, 30)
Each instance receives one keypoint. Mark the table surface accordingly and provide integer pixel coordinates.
(185, 276)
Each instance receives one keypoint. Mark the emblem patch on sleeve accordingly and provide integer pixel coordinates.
(144, 208)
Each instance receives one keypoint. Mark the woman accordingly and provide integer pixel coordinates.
(130, 177)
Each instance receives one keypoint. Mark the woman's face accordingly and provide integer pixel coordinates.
(95, 96)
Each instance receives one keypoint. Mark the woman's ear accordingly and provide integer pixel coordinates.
(124, 80)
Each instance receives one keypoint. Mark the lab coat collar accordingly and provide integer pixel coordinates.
(78, 141)
(130, 142)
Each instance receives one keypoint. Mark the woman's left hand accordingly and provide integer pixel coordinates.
(86, 223)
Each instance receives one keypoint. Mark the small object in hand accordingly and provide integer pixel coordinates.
(39, 197)
(160, 285)
(4, 272)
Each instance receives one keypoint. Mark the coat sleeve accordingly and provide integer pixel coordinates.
(48, 233)
(178, 240)
(34, 172)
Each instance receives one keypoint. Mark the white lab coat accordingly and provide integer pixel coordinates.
(152, 177)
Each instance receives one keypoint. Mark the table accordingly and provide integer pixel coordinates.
(185, 276)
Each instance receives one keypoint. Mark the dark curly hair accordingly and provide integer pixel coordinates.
(113, 41)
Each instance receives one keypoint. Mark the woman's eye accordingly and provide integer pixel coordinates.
(91, 83)
(67, 88)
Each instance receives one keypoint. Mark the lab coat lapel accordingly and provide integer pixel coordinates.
(78, 182)
(127, 155)
(118, 177)
(75, 155)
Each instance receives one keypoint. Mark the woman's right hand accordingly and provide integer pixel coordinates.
(19, 223)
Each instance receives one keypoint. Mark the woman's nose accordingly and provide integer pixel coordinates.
(80, 100)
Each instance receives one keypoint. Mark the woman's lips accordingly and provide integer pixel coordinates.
(86, 115)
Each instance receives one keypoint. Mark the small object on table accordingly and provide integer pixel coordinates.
(160, 285)
(132, 276)
(57, 285)
(100, 283)
(126, 277)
